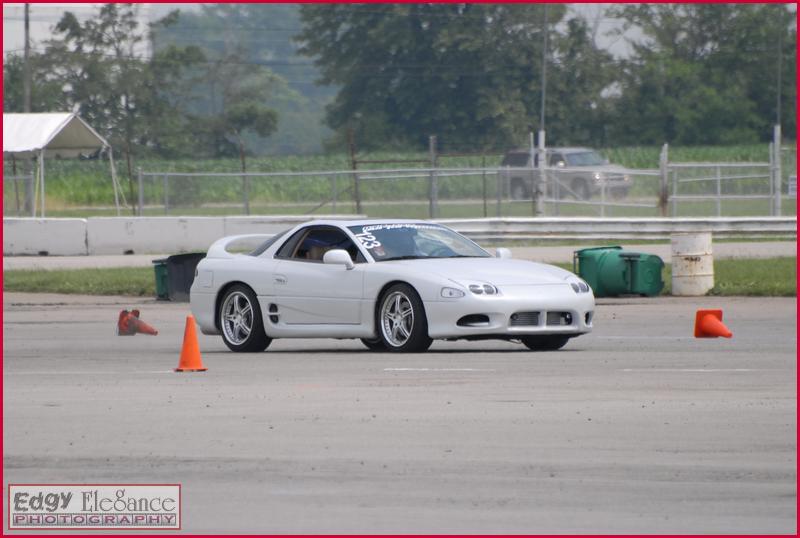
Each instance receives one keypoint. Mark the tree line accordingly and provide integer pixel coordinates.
(223, 81)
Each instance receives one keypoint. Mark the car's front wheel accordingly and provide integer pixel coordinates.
(374, 344)
(240, 322)
(401, 320)
(545, 342)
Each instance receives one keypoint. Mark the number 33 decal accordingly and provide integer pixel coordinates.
(368, 240)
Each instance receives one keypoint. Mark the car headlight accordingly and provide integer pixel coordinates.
(483, 289)
(452, 293)
(579, 286)
(597, 176)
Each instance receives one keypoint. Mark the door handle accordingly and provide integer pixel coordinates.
(279, 279)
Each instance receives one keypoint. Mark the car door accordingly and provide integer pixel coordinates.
(310, 292)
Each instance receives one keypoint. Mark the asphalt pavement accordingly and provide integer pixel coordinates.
(635, 428)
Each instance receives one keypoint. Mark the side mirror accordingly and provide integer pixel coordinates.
(561, 164)
(502, 253)
(338, 256)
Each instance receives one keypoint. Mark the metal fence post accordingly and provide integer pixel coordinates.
(246, 193)
(603, 199)
(675, 193)
(483, 177)
(557, 195)
(141, 191)
(499, 191)
(537, 185)
(166, 194)
(335, 193)
(719, 192)
(354, 164)
(41, 179)
(775, 158)
(433, 208)
(663, 168)
(30, 196)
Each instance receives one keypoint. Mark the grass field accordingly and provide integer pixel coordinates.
(83, 188)
(752, 277)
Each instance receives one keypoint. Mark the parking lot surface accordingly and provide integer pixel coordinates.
(637, 427)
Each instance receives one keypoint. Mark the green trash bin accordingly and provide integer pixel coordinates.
(175, 274)
(602, 269)
(162, 278)
(645, 274)
(611, 271)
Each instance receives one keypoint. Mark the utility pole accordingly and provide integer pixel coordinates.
(538, 186)
(544, 70)
(780, 68)
(26, 68)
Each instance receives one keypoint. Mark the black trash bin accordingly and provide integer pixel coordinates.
(175, 274)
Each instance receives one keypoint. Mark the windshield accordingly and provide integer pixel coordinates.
(585, 158)
(407, 241)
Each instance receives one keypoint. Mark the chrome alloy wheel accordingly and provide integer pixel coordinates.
(237, 318)
(397, 318)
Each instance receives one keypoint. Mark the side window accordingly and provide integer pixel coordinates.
(555, 158)
(315, 242)
(288, 247)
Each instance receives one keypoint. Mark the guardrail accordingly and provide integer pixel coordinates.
(158, 235)
(510, 229)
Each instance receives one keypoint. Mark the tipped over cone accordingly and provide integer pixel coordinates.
(129, 324)
(708, 324)
(191, 361)
(124, 327)
(142, 327)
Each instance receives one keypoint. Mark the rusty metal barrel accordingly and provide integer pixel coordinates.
(692, 263)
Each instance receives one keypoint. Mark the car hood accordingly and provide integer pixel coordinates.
(497, 271)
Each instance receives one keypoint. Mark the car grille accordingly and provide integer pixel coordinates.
(559, 318)
(524, 319)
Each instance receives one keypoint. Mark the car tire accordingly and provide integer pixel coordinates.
(550, 342)
(518, 190)
(400, 320)
(374, 345)
(618, 194)
(581, 189)
(240, 322)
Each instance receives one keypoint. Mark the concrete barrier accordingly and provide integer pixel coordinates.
(54, 237)
(152, 235)
(160, 235)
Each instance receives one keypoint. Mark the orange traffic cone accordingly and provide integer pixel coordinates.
(708, 324)
(124, 327)
(129, 324)
(139, 325)
(191, 361)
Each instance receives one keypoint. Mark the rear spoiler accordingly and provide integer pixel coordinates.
(219, 249)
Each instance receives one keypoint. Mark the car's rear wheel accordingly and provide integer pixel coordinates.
(581, 189)
(240, 322)
(545, 343)
(519, 191)
(374, 345)
(402, 325)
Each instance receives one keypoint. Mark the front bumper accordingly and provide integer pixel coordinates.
(549, 303)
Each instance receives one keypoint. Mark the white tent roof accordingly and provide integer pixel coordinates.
(59, 134)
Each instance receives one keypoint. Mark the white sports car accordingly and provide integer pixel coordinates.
(395, 284)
